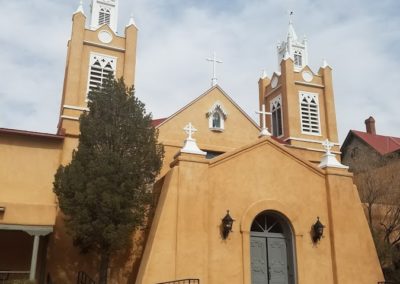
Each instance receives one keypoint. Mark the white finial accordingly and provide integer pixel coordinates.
(264, 74)
(214, 61)
(80, 8)
(190, 143)
(328, 159)
(131, 21)
(324, 63)
(264, 130)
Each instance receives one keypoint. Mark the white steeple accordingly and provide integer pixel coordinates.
(80, 8)
(293, 48)
(104, 12)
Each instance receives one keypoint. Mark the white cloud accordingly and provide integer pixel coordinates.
(360, 40)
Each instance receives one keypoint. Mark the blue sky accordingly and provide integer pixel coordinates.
(359, 39)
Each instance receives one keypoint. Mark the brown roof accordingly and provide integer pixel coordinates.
(382, 144)
(30, 133)
(157, 121)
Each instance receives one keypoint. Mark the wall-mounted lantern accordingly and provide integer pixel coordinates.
(318, 230)
(226, 226)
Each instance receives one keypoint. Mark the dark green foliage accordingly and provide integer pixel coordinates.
(104, 191)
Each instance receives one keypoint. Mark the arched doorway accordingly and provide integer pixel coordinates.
(271, 250)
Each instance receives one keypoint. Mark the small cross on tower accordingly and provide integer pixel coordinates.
(189, 129)
(264, 129)
(214, 60)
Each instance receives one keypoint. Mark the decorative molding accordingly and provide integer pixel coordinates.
(76, 108)
(309, 140)
(95, 44)
(309, 84)
(312, 149)
(70, 117)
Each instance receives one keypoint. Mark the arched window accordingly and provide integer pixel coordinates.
(216, 117)
(216, 120)
(104, 16)
(276, 111)
(101, 67)
(298, 60)
(272, 250)
(309, 113)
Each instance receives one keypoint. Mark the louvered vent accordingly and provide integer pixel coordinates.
(309, 111)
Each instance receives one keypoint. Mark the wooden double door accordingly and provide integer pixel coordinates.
(269, 259)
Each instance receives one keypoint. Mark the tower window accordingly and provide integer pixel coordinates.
(216, 117)
(309, 113)
(104, 16)
(100, 68)
(298, 61)
(276, 117)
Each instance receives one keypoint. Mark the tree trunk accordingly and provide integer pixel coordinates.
(104, 262)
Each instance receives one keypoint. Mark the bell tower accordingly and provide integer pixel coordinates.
(301, 101)
(93, 53)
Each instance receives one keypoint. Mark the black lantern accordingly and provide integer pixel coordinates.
(318, 230)
(226, 226)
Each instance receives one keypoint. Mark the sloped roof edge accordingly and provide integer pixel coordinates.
(203, 95)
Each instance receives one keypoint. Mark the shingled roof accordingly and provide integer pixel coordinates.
(380, 143)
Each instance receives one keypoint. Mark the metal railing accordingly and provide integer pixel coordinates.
(182, 281)
(7, 276)
(83, 278)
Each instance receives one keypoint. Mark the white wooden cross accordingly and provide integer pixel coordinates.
(214, 60)
(264, 129)
(189, 129)
(327, 146)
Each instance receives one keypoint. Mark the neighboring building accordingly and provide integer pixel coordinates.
(363, 151)
(275, 187)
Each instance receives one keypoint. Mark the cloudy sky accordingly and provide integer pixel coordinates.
(360, 39)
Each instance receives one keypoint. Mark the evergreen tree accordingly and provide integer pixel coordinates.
(104, 191)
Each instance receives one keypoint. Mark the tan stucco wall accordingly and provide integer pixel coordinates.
(185, 240)
(238, 130)
(27, 169)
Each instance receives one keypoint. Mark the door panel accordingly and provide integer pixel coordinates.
(277, 261)
(259, 266)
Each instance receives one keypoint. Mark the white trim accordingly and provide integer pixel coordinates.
(309, 140)
(315, 96)
(70, 117)
(96, 44)
(30, 229)
(35, 249)
(76, 108)
(312, 149)
(217, 108)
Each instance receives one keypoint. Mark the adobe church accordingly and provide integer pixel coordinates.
(236, 202)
